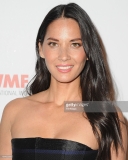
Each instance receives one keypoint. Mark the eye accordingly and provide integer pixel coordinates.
(76, 45)
(52, 44)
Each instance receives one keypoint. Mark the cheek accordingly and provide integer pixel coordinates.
(81, 57)
(48, 55)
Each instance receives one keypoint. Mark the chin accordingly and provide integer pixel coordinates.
(66, 80)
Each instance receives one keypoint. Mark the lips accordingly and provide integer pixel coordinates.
(64, 68)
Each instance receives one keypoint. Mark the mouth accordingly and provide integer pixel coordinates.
(64, 68)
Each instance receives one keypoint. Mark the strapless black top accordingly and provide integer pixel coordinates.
(38, 148)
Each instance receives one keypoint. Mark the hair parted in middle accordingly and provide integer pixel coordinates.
(95, 78)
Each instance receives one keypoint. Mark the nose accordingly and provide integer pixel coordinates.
(63, 54)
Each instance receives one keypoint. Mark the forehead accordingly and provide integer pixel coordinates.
(63, 27)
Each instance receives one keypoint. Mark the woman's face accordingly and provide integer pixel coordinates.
(62, 50)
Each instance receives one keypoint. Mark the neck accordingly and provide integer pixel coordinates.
(59, 92)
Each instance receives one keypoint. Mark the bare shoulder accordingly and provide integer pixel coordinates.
(17, 104)
(9, 116)
(38, 97)
(13, 106)
(5, 126)
(10, 111)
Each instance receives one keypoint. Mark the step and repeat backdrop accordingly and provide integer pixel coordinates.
(19, 23)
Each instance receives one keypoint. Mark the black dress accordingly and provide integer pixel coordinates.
(37, 148)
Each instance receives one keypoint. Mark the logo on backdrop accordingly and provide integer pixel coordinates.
(13, 84)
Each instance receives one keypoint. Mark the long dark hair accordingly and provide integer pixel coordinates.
(95, 79)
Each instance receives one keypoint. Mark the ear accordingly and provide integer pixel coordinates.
(40, 50)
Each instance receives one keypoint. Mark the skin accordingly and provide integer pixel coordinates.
(42, 114)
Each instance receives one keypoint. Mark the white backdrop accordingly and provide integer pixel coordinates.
(19, 23)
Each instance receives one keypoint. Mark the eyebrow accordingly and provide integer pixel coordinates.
(53, 39)
(76, 39)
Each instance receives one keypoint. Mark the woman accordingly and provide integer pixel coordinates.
(71, 66)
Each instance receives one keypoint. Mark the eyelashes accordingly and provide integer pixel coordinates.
(52, 44)
(74, 45)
